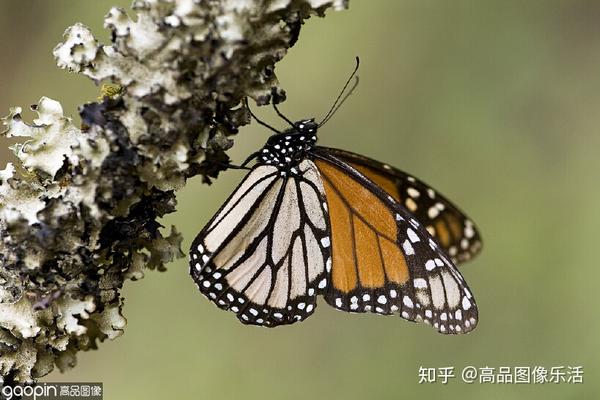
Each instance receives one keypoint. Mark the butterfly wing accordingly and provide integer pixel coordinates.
(453, 230)
(264, 254)
(385, 261)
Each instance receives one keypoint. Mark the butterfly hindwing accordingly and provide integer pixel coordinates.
(264, 255)
(383, 259)
(453, 230)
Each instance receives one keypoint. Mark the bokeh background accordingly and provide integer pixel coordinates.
(495, 103)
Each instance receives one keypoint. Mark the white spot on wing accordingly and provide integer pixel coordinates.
(410, 204)
(420, 283)
(412, 235)
(412, 192)
(433, 212)
(466, 304)
(407, 247)
(430, 265)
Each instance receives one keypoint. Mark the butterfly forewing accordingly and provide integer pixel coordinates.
(384, 260)
(265, 254)
(453, 230)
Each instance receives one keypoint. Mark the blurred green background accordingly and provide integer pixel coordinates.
(495, 103)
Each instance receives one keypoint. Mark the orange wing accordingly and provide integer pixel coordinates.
(383, 260)
(454, 231)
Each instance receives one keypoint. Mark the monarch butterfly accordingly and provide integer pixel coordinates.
(310, 220)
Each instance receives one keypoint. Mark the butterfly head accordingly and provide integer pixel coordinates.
(285, 150)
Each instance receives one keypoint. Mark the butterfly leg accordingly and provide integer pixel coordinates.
(250, 158)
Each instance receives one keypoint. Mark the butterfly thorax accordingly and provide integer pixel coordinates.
(287, 149)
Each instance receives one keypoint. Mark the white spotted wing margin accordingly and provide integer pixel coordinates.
(265, 254)
(435, 292)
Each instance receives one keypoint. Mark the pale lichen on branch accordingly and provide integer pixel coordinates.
(79, 211)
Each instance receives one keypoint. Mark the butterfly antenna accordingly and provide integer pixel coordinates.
(257, 119)
(356, 81)
(337, 103)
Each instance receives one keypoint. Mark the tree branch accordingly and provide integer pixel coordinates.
(78, 214)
